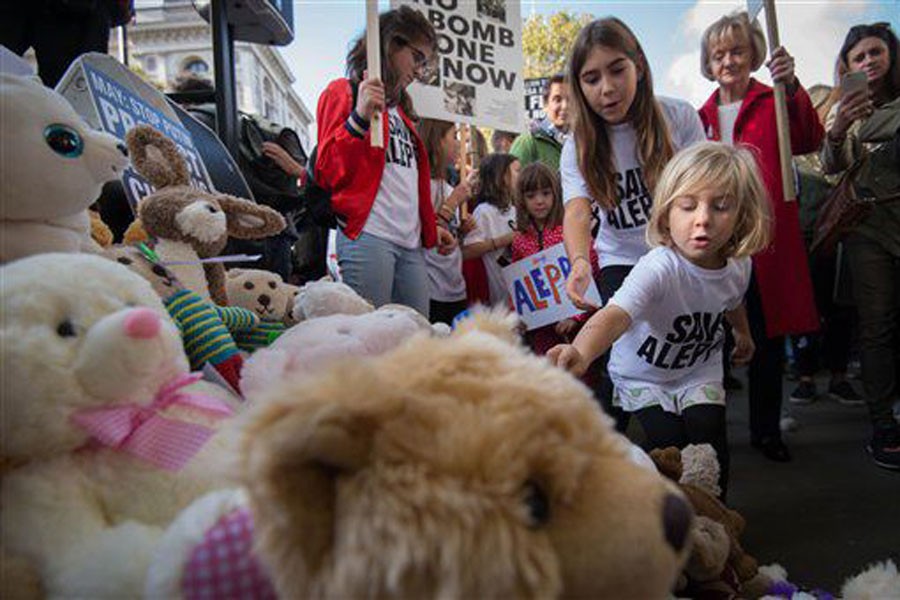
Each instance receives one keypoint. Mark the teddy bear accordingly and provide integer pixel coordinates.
(191, 226)
(106, 434)
(324, 297)
(314, 343)
(265, 294)
(207, 329)
(696, 470)
(54, 166)
(449, 467)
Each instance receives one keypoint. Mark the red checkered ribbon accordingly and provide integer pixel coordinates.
(142, 432)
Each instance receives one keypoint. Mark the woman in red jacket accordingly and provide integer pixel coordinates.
(381, 196)
(742, 111)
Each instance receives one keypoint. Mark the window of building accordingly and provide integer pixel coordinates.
(196, 65)
(150, 63)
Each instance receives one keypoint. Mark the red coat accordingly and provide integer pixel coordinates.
(350, 168)
(782, 270)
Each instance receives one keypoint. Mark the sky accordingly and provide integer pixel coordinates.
(669, 31)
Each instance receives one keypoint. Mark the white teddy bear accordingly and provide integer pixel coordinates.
(108, 436)
(54, 166)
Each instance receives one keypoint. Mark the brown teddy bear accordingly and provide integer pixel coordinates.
(187, 223)
(696, 471)
(459, 467)
(266, 295)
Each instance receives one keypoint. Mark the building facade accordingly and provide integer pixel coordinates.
(170, 38)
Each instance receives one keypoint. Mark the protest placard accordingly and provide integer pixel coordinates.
(537, 287)
(110, 97)
(534, 98)
(476, 77)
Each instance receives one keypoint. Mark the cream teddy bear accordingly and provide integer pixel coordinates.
(108, 434)
(265, 294)
(54, 166)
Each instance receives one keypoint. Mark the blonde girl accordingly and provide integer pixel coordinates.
(710, 214)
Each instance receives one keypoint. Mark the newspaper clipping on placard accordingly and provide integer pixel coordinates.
(477, 75)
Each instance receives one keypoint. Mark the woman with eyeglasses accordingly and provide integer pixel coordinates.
(865, 125)
(381, 196)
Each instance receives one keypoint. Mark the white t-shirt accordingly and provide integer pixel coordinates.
(620, 238)
(445, 277)
(727, 116)
(395, 213)
(491, 223)
(677, 312)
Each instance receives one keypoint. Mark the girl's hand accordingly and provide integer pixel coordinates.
(472, 178)
(369, 97)
(781, 67)
(565, 328)
(281, 158)
(743, 349)
(853, 107)
(577, 284)
(460, 194)
(567, 357)
(468, 224)
(504, 240)
(446, 241)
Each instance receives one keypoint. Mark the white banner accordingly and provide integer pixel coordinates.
(477, 77)
(537, 288)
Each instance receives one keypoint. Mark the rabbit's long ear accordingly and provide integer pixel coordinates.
(156, 157)
(248, 220)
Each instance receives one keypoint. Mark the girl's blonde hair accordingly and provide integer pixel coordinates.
(595, 153)
(537, 177)
(726, 169)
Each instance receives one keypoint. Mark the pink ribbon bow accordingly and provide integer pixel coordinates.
(142, 432)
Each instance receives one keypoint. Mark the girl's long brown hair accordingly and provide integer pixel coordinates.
(432, 132)
(398, 28)
(492, 186)
(595, 157)
(537, 177)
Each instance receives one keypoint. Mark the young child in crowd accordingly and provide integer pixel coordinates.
(446, 286)
(495, 218)
(539, 225)
(710, 214)
(622, 137)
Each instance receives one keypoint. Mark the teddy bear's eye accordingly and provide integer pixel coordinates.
(272, 284)
(248, 285)
(159, 271)
(65, 329)
(124, 260)
(537, 503)
(64, 140)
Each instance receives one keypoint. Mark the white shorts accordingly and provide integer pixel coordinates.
(633, 396)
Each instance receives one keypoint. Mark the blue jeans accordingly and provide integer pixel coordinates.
(383, 272)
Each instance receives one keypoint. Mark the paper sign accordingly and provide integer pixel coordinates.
(534, 98)
(112, 98)
(477, 76)
(537, 288)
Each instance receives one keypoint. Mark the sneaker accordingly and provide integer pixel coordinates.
(884, 448)
(804, 393)
(772, 448)
(843, 392)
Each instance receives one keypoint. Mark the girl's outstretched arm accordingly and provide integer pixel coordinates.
(577, 240)
(743, 341)
(596, 337)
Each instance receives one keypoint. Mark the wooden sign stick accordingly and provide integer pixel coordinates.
(781, 113)
(373, 56)
(464, 164)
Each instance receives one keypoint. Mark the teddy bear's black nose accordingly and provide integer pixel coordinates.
(264, 299)
(677, 517)
(122, 148)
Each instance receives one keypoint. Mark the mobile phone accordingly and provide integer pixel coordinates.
(853, 82)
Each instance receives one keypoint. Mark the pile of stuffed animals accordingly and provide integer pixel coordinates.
(171, 429)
